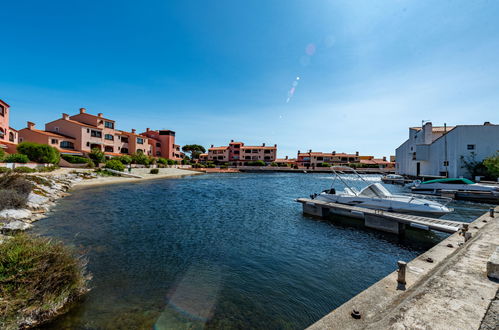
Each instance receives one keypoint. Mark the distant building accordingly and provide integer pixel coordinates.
(311, 158)
(237, 153)
(439, 150)
(163, 144)
(378, 162)
(8, 135)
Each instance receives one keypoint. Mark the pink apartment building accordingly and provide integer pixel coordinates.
(311, 158)
(65, 144)
(134, 143)
(238, 154)
(163, 144)
(8, 135)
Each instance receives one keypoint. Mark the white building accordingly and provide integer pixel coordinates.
(438, 151)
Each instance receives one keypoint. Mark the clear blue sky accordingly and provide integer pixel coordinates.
(220, 70)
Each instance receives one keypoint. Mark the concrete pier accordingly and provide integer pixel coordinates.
(446, 287)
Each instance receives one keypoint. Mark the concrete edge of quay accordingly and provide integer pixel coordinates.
(446, 288)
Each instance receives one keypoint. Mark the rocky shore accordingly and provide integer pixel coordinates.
(47, 189)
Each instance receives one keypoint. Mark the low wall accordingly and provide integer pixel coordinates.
(30, 165)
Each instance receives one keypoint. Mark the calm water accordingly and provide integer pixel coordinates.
(220, 251)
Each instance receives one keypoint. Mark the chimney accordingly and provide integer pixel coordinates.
(487, 123)
(286, 158)
(428, 133)
(212, 146)
(148, 129)
(334, 152)
(356, 153)
(134, 130)
(100, 114)
(384, 158)
(231, 140)
(65, 116)
(275, 145)
(299, 152)
(31, 125)
(83, 110)
(263, 144)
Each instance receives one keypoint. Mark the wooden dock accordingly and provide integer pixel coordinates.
(377, 219)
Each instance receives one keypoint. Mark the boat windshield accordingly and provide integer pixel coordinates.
(375, 190)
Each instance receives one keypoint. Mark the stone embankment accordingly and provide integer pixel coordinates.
(451, 286)
(46, 190)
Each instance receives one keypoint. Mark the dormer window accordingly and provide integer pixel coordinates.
(109, 124)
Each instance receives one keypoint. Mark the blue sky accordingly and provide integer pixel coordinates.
(220, 70)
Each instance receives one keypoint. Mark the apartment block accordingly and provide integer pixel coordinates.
(312, 158)
(163, 144)
(8, 135)
(237, 153)
(65, 144)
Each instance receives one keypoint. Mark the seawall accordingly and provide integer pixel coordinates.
(446, 288)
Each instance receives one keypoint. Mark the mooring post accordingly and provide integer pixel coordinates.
(491, 212)
(401, 272)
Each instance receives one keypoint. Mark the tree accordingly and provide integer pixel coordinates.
(194, 150)
(140, 158)
(97, 156)
(473, 167)
(492, 165)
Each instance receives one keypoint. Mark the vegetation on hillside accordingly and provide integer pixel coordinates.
(14, 191)
(38, 278)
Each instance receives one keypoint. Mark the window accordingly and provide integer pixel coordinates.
(158, 145)
(267, 151)
(108, 149)
(2, 110)
(158, 153)
(247, 157)
(68, 145)
(56, 129)
(124, 139)
(2, 133)
(97, 134)
(109, 124)
(236, 152)
(320, 158)
(471, 147)
(109, 137)
(124, 150)
(446, 163)
(88, 144)
(54, 141)
(140, 140)
(11, 137)
(220, 157)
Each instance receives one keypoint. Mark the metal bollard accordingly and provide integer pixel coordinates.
(401, 272)
(467, 236)
(491, 212)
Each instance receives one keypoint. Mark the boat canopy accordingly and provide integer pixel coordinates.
(451, 181)
(375, 190)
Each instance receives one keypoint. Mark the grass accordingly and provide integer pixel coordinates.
(38, 278)
(14, 191)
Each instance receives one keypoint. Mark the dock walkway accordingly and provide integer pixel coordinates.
(381, 220)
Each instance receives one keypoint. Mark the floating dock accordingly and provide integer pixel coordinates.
(382, 220)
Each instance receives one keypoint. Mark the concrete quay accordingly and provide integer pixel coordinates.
(446, 287)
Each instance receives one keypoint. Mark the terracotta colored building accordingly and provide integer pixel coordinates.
(238, 154)
(8, 135)
(311, 158)
(65, 144)
(163, 144)
(131, 143)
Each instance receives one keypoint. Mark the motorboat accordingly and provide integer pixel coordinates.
(393, 179)
(449, 184)
(376, 196)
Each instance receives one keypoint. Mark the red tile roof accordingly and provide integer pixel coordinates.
(218, 148)
(50, 134)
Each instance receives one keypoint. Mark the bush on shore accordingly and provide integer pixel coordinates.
(38, 277)
(125, 159)
(154, 171)
(78, 160)
(39, 153)
(256, 163)
(17, 158)
(115, 164)
(24, 169)
(2, 155)
(140, 158)
(97, 156)
(14, 191)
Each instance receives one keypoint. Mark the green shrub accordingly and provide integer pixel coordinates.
(75, 159)
(256, 163)
(2, 154)
(17, 158)
(211, 166)
(186, 161)
(115, 164)
(5, 170)
(492, 166)
(39, 153)
(97, 156)
(125, 159)
(154, 171)
(162, 161)
(224, 166)
(24, 169)
(172, 162)
(50, 168)
(274, 164)
(37, 277)
(324, 165)
(140, 158)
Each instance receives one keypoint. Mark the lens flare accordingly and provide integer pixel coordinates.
(292, 91)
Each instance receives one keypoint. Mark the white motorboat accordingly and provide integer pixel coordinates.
(376, 196)
(449, 184)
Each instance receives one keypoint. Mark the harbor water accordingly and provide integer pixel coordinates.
(221, 251)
